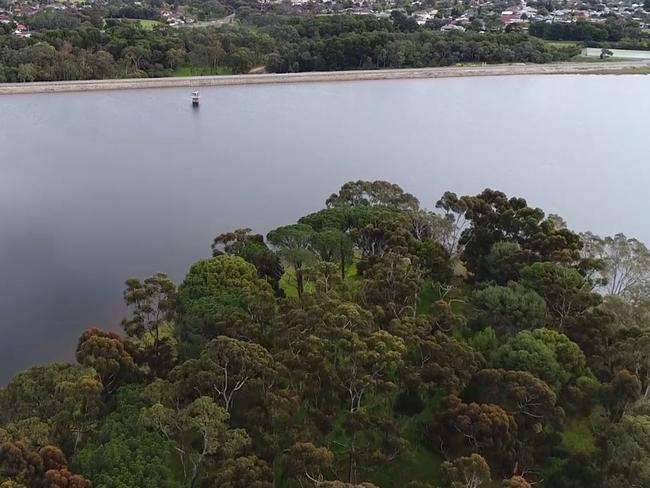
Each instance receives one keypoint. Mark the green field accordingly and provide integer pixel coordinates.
(578, 437)
(558, 43)
(146, 24)
(192, 71)
(149, 24)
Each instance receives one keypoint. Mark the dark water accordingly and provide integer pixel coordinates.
(97, 187)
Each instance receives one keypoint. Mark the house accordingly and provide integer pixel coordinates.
(511, 17)
(424, 15)
(452, 27)
(22, 31)
(581, 15)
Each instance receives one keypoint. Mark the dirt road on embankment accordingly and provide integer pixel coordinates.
(591, 68)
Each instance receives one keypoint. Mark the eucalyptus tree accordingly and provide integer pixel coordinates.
(369, 193)
(566, 292)
(251, 247)
(294, 244)
(626, 263)
(493, 217)
(467, 472)
(202, 419)
(109, 355)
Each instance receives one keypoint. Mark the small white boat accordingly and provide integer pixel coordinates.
(195, 98)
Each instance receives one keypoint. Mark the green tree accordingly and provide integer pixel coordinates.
(508, 309)
(202, 419)
(547, 354)
(225, 366)
(33, 432)
(304, 463)
(528, 399)
(467, 472)
(233, 242)
(626, 263)
(36, 391)
(27, 72)
(219, 293)
(153, 306)
(47, 468)
(486, 429)
(106, 353)
(69, 397)
(494, 217)
(367, 193)
(505, 261)
(335, 246)
(219, 286)
(80, 409)
(364, 440)
(433, 259)
(123, 454)
(245, 472)
(516, 482)
(392, 286)
(442, 362)
(366, 364)
(565, 290)
(629, 452)
(294, 243)
(253, 249)
(621, 392)
(241, 60)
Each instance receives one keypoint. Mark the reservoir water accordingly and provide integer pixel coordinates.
(617, 53)
(100, 186)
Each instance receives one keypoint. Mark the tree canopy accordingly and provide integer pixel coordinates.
(373, 343)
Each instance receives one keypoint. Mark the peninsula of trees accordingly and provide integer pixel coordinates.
(373, 343)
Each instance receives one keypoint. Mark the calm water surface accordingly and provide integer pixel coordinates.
(617, 53)
(98, 187)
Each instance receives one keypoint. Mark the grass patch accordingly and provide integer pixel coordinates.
(428, 295)
(351, 272)
(553, 43)
(289, 284)
(578, 437)
(596, 59)
(418, 463)
(147, 24)
(193, 71)
(562, 43)
(432, 293)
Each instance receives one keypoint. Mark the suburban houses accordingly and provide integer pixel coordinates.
(444, 15)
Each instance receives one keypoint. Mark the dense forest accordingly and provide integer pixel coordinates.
(72, 48)
(373, 343)
(612, 33)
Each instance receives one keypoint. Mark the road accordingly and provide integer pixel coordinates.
(619, 67)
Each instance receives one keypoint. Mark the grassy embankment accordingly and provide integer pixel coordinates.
(191, 71)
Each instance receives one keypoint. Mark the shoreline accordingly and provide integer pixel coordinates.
(617, 67)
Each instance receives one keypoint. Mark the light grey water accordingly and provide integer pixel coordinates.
(97, 187)
(617, 53)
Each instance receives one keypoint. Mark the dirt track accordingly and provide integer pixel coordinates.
(622, 67)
